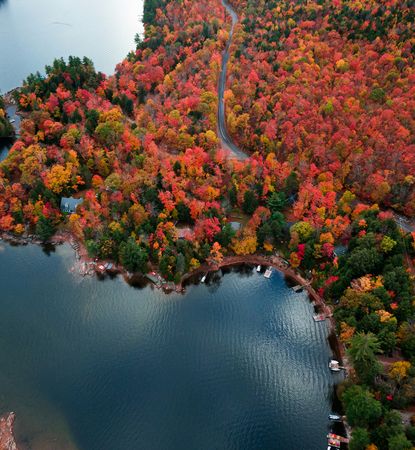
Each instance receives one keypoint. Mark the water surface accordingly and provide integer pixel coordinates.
(98, 365)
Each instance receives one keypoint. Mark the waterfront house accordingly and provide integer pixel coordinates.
(69, 204)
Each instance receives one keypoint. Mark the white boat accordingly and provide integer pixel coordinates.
(268, 272)
(335, 417)
(12, 121)
(334, 366)
(203, 278)
(258, 269)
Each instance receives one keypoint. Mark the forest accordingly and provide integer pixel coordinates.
(320, 95)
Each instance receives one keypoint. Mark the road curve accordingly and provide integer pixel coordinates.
(226, 141)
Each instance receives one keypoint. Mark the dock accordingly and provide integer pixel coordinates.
(153, 278)
(319, 317)
(268, 272)
(338, 438)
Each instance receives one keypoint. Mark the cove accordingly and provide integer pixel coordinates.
(237, 363)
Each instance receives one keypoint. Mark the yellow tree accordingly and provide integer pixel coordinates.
(215, 257)
(58, 177)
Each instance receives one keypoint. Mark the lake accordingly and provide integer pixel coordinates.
(237, 363)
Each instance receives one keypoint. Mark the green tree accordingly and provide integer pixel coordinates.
(391, 426)
(362, 352)
(224, 237)
(250, 203)
(132, 256)
(363, 261)
(276, 202)
(292, 184)
(399, 442)
(109, 133)
(361, 408)
(378, 95)
(180, 264)
(183, 213)
(360, 439)
(6, 128)
(44, 228)
(92, 116)
(233, 198)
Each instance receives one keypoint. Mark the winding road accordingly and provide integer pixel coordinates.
(226, 140)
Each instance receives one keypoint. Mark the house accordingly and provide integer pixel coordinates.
(236, 226)
(69, 204)
(339, 250)
(184, 233)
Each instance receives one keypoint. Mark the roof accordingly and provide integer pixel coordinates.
(235, 225)
(340, 250)
(69, 204)
(184, 232)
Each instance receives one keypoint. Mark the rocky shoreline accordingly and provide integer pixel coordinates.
(7, 441)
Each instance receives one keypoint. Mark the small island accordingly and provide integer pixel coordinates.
(310, 169)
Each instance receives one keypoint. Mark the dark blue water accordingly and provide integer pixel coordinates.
(98, 365)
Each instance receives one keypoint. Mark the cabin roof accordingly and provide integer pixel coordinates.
(236, 226)
(69, 204)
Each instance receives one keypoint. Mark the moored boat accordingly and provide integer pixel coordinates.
(268, 272)
(335, 417)
(334, 365)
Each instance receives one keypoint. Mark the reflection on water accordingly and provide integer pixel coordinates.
(100, 365)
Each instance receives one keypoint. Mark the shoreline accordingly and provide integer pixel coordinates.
(87, 266)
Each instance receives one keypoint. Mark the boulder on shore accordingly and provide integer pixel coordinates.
(7, 441)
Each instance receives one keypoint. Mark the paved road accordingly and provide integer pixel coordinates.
(404, 223)
(226, 140)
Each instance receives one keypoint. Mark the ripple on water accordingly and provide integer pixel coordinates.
(238, 365)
